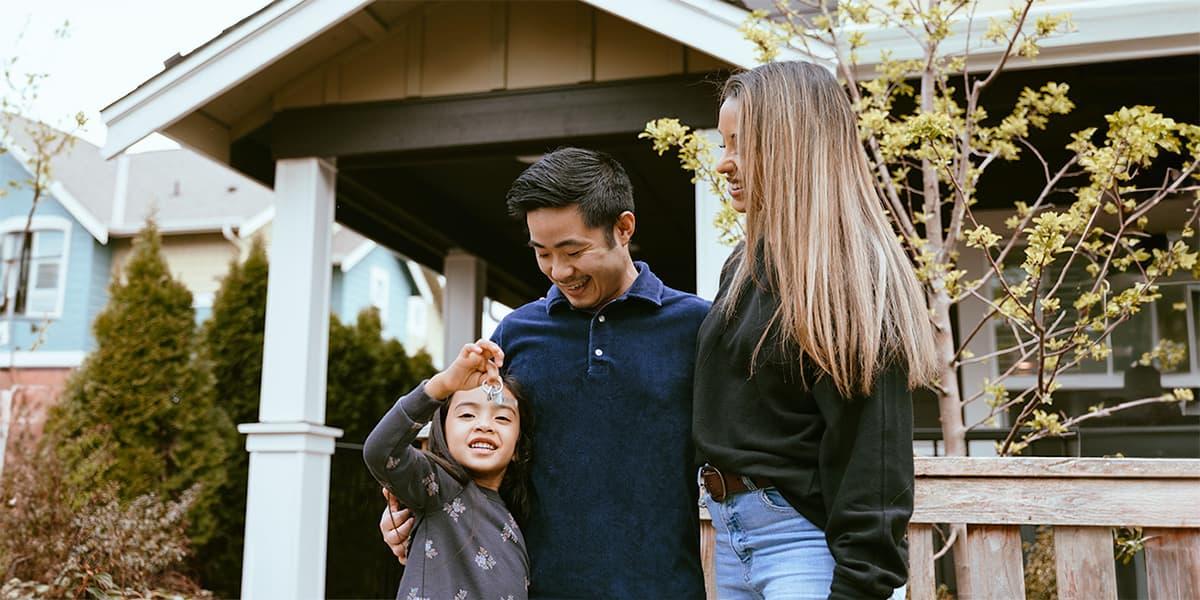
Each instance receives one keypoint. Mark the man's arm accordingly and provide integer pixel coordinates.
(396, 525)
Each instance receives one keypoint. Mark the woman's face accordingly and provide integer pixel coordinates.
(730, 164)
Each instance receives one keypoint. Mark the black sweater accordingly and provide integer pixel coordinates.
(845, 464)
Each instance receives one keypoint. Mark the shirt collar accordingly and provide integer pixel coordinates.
(647, 287)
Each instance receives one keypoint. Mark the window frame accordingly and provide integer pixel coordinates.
(16, 224)
(1116, 379)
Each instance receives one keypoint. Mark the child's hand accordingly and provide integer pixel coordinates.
(476, 364)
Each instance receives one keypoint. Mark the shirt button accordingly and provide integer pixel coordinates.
(599, 352)
(600, 318)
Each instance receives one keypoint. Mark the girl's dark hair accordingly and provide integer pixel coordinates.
(515, 488)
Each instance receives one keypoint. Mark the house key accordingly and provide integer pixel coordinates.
(494, 391)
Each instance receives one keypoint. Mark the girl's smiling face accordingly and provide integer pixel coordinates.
(482, 435)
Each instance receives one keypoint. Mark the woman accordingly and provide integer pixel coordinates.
(807, 360)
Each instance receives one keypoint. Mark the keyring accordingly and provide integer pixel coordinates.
(494, 391)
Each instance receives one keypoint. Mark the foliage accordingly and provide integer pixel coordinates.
(103, 547)
(1041, 578)
(141, 400)
(1092, 212)
(232, 353)
(1128, 541)
(696, 155)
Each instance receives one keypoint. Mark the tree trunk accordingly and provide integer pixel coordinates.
(954, 431)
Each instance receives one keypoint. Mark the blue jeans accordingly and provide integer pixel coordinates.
(767, 550)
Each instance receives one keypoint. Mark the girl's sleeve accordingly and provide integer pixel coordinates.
(412, 476)
(866, 471)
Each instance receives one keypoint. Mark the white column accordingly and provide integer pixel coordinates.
(710, 253)
(287, 501)
(462, 301)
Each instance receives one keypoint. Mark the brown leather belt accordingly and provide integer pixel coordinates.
(721, 485)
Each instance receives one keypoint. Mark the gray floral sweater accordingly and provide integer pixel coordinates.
(465, 545)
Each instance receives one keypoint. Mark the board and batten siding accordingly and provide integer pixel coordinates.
(454, 48)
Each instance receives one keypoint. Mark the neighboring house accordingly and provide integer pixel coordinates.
(83, 229)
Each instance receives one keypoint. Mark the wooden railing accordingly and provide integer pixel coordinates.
(1082, 498)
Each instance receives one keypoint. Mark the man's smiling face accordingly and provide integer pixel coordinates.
(588, 266)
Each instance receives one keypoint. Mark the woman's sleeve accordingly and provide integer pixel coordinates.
(411, 475)
(866, 470)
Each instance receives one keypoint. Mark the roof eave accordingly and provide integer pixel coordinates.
(710, 26)
(59, 192)
(218, 66)
(1106, 31)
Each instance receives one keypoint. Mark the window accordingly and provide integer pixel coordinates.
(34, 288)
(1175, 316)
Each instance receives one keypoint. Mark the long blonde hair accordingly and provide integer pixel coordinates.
(848, 296)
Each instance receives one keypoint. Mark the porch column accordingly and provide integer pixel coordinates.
(710, 252)
(462, 302)
(287, 501)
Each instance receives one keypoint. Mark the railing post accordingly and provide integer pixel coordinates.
(1083, 559)
(1173, 563)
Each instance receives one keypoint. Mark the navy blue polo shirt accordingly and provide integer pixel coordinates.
(614, 478)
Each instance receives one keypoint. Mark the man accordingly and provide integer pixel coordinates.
(608, 357)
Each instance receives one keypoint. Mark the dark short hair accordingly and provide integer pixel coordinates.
(593, 180)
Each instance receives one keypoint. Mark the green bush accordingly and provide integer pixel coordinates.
(142, 401)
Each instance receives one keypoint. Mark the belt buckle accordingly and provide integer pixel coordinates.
(709, 470)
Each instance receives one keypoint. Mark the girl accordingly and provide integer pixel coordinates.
(817, 335)
(466, 544)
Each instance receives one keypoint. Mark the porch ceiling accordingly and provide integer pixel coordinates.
(424, 204)
(425, 175)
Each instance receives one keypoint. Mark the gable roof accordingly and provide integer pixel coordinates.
(82, 180)
(1112, 30)
(349, 248)
(184, 191)
(264, 38)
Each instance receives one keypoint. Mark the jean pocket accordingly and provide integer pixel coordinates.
(772, 499)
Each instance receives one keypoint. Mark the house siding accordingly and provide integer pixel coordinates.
(335, 295)
(85, 290)
(352, 290)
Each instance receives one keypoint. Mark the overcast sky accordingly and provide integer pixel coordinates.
(110, 48)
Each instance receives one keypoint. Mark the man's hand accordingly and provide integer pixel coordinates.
(396, 525)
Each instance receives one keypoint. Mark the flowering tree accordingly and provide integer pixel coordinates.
(1090, 215)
